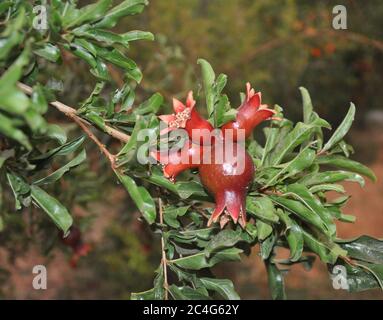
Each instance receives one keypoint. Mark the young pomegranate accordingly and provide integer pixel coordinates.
(75, 242)
(225, 168)
(228, 181)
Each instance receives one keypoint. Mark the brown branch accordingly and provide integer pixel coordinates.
(72, 114)
(164, 259)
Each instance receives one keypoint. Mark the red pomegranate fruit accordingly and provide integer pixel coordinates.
(228, 181)
(229, 176)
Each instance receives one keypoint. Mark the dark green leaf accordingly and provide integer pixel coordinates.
(208, 76)
(342, 130)
(125, 8)
(55, 210)
(7, 129)
(141, 198)
(331, 177)
(276, 282)
(49, 52)
(200, 261)
(346, 164)
(293, 235)
(53, 177)
(90, 12)
(223, 287)
(364, 248)
(19, 188)
(186, 293)
(224, 239)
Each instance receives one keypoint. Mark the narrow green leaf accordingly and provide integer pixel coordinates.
(49, 52)
(224, 239)
(208, 77)
(307, 105)
(186, 293)
(261, 207)
(327, 187)
(200, 261)
(141, 198)
(223, 287)
(57, 133)
(346, 164)
(364, 248)
(53, 177)
(7, 129)
(331, 177)
(90, 12)
(293, 235)
(172, 213)
(125, 8)
(342, 130)
(303, 160)
(276, 282)
(19, 188)
(55, 210)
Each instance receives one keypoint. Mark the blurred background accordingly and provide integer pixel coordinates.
(277, 46)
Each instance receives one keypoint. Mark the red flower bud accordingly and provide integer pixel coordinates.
(249, 115)
(188, 118)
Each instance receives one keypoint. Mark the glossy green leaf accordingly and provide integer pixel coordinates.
(141, 198)
(328, 253)
(327, 187)
(137, 35)
(276, 282)
(49, 52)
(223, 287)
(300, 192)
(52, 207)
(7, 129)
(264, 229)
(261, 207)
(150, 106)
(62, 150)
(200, 261)
(307, 105)
(208, 77)
(57, 133)
(125, 8)
(346, 164)
(90, 12)
(331, 177)
(364, 248)
(186, 293)
(19, 188)
(294, 236)
(172, 213)
(342, 130)
(53, 177)
(301, 211)
(224, 239)
(303, 160)
(297, 136)
(267, 246)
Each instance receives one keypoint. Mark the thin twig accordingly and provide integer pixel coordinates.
(164, 259)
(72, 113)
(90, 134)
